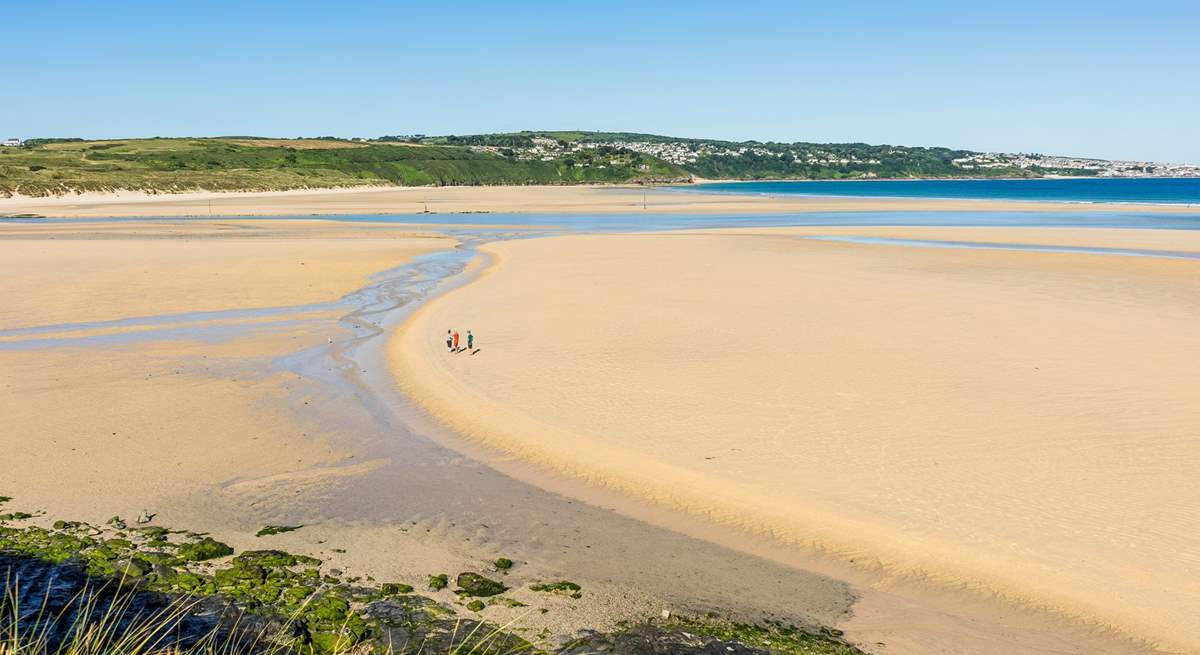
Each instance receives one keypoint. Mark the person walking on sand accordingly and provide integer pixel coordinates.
(470, 340)
(456, 341)
(449, 341)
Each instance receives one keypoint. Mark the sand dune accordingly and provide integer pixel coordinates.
(1022, 423)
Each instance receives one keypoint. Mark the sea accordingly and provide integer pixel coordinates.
(1140, 190)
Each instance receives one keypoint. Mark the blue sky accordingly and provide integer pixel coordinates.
(1106, 79)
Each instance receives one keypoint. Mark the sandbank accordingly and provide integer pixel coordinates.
(1017, 424)
(74, 274)
(206, 372)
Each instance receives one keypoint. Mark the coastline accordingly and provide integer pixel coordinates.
(538, 435)
(578, 199)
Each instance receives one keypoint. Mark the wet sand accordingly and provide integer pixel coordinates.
(196, 371)
(56, 273)
(986, 424)
(509, 199)
(135, 358)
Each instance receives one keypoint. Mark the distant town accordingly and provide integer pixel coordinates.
(687, 153)
(1098, 167)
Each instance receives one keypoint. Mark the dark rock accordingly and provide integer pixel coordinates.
(131, 568)
(393, 588)
(163, 573)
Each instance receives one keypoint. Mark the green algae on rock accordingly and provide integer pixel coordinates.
(394, 588)
(15, 516)
(301, 610)
(473, 584)
(438, 582)
(276, 529)
(205, 549)
(562, 587)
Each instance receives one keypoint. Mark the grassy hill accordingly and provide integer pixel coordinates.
(758, 160)
(56, 166)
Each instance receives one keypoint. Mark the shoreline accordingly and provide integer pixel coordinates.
(546, 464)
(52, 565)
(573, 199)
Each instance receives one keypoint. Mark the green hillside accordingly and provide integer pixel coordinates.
(755, 160)
(55, 166)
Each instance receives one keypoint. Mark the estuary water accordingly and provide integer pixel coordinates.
(1152, 190)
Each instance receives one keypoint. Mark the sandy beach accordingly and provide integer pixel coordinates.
(579, 199)
(205, 372)
(745, 421)
(1020, 425)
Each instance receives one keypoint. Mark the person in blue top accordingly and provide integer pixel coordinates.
(470, 340)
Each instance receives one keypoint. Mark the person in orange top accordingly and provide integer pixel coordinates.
(456, 341)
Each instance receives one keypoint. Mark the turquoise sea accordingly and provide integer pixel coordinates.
(1155, 190)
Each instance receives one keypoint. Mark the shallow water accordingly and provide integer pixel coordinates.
(471, 223)
(1173, 191)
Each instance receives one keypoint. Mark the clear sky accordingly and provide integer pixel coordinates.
(1104, 78)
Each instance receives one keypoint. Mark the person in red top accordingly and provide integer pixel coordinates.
(456, 341)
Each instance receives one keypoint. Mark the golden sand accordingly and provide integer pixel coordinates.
(190, 419)
(1022, 423)
(65, 274)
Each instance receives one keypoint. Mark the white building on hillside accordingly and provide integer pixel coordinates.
(12, 142)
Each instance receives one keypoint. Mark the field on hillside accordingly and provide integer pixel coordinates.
(52, 167)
